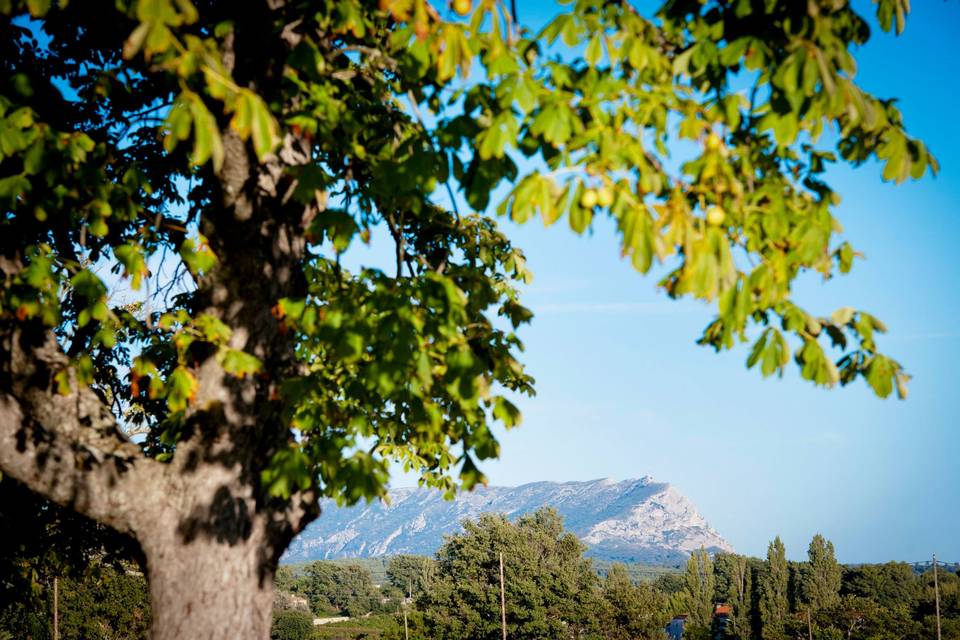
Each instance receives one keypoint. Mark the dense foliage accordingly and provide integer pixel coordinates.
(412, 575)
(549, 584)
(553, 592)
(345, 589)
(291, 624)
(102, 594)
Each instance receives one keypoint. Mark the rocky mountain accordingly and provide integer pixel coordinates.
(633, 521)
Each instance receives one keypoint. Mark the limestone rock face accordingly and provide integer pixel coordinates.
(632, 521)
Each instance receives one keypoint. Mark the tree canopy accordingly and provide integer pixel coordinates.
(181, 184)
(550, 588)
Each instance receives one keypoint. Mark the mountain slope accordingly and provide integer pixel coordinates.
(634, 521)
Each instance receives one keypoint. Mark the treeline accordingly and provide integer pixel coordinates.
(551, 591)
(776, 599)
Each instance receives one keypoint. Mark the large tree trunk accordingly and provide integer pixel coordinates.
(210, 590)
(211, 534)
(213, 544)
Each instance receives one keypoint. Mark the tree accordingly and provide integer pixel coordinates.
(335, 588)
(285, 578)
(890, 584)
(948, 585)
(411, 575)
(734, 581)
(292, 625)
(820, 577)
(43, 542)
(856, 618)
(180, 187)
(551, 590)
(699, 587)
(774, 606)
(669, 583)
(106, 604)
(632, 611)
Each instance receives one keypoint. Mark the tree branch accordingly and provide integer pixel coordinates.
(68, 447)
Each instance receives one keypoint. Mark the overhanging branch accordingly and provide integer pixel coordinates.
(68, 447)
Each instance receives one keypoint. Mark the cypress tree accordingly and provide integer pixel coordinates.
(773, 596)
(699, 586)
(740, 596)
(820, 579)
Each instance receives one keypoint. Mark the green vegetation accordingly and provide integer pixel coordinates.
(638, 572)
(291, 624)
(412, 575)
(552, 587)
(774, 582)
(630, 610)
(820, 578)
(334, 589)
(102, 594)
(552, 591)
(699, 588)
(180, 183)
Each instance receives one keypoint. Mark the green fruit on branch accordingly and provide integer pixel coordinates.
(589, 199)
(716, 215)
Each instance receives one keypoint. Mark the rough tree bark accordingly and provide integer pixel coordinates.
(210, 533)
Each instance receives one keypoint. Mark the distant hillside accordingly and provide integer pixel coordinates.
(377, 566)
(638, 521)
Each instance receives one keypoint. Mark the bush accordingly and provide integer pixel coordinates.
(291, 625)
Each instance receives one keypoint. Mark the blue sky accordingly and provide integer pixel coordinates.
(624, 391)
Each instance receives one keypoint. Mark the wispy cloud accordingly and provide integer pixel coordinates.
(629, 308)
(558, 286)
(927, 335)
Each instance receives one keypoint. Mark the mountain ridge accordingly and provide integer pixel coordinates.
(635, 520)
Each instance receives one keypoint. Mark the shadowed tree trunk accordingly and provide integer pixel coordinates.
(209, 589)
(209, 531)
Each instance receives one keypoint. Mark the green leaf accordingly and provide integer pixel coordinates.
(470, 474)
(134, 265)
(181, 388)
(239, 363)
(197, 255)
(212, 329)
(38, 8)
(881, 372)
(263, 127)
(12, 187)
(506, 412)
(594, 49)
(207, 143)
(842, 315)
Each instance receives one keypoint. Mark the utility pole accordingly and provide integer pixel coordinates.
(936, 593)
(406, 631)
(809, 626)
(56, 608)
(503, 601)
